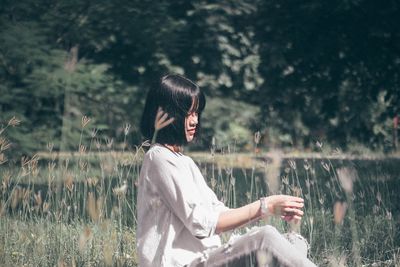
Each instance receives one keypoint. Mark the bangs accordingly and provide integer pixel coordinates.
(197, 103)
(185, 97)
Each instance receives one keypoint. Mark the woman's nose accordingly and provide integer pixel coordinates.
(194, 118)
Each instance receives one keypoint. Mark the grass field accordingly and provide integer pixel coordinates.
(79, 209)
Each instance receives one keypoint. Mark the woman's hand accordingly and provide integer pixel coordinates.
(162, 120)
(287, 207)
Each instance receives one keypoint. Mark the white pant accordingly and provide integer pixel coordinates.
(272, 249)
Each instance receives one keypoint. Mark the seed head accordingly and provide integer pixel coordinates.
(257, 137)
(85, 121)
(50, 146)
(13, 122)
(4, 144)
(94, 132)
(126, 128)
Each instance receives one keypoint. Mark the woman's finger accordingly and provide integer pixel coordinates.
(163, 117)
(162, 120)
(167, 122)
(294, 204)
(292, 211)
(295, 199)
(159, 113)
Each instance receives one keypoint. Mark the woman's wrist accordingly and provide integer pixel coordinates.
(265, 212)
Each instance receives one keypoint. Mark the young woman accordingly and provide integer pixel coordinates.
(179, 216)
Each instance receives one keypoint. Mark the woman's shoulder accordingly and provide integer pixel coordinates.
(158, 153)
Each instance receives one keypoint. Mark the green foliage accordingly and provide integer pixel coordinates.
(50, 90)
(325, 65)
(312, 71)
(218, 123)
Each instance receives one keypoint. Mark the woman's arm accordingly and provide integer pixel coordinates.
(288, 207)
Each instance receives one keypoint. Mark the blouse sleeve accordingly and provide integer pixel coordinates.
(177, 192)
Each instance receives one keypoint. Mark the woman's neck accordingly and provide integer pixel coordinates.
(174, 148)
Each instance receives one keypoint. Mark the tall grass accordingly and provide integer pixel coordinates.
(78, 209)
(69, 209)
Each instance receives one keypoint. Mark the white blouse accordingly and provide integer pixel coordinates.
(177, 211)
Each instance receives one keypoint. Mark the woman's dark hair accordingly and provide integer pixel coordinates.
(178, 96)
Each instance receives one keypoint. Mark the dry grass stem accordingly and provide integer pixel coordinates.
(347, 176)
(339, 211)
